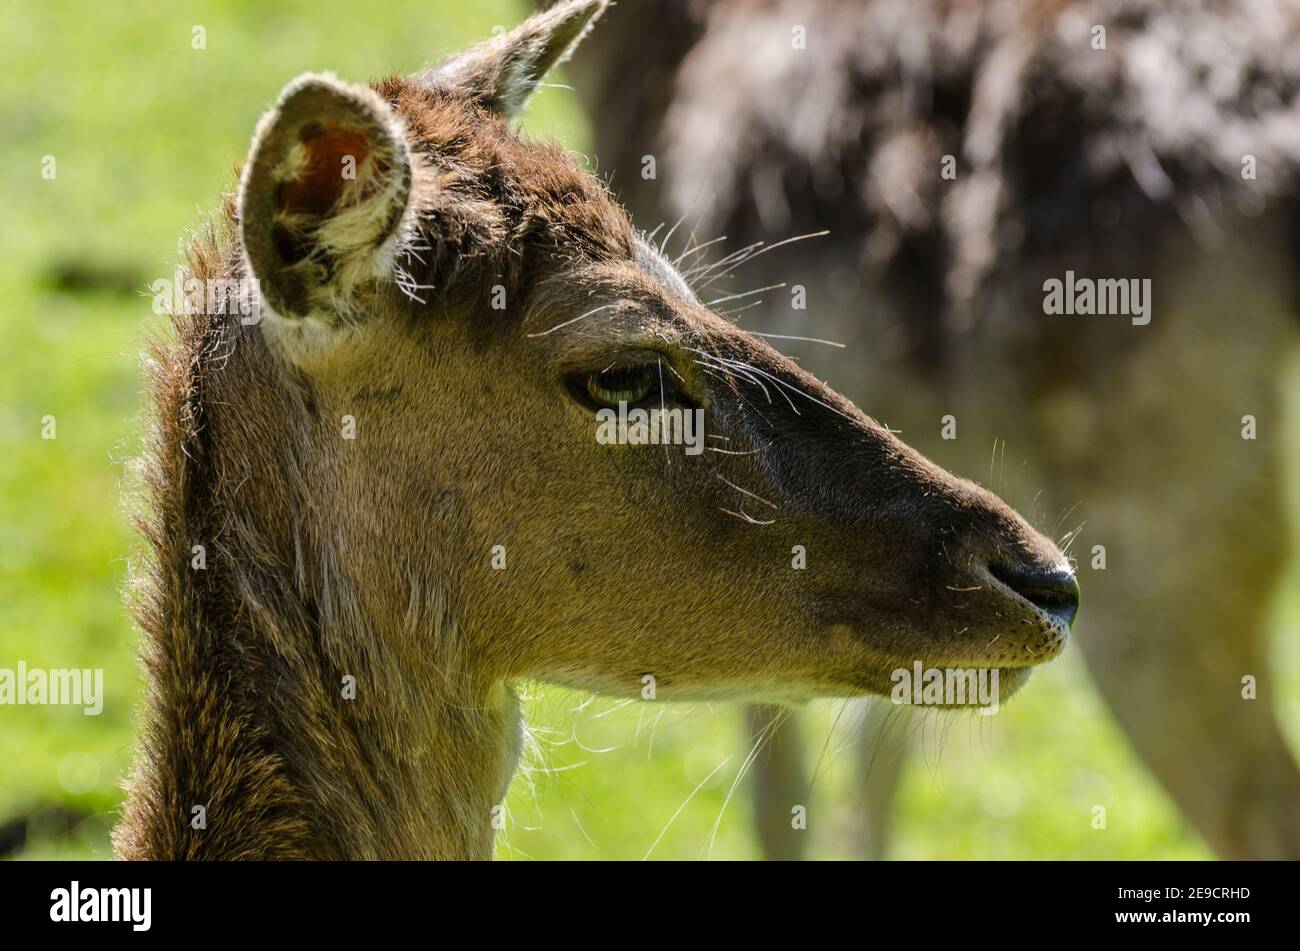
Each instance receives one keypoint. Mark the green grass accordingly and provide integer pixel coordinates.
(145, 132)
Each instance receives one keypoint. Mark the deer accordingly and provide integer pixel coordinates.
(402, 509)
(962, 157)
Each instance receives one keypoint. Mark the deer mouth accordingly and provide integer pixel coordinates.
(1008, 619)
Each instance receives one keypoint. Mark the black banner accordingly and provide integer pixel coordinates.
(910, 901)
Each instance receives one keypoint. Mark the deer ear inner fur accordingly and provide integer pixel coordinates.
(323, 198)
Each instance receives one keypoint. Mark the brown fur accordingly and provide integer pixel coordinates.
(370, 557)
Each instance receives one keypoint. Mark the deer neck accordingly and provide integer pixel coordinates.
(328, 745)
(300, 704)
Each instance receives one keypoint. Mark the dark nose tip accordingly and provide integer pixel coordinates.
(1054, 591)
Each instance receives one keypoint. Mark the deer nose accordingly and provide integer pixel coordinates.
(1054, 591)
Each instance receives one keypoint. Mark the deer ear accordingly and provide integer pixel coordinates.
(323, 197)
(502, 73)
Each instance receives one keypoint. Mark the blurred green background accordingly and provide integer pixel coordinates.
(145, 132)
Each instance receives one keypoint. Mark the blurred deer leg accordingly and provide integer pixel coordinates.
(882, 751)
(1170, 659)
(777, 780)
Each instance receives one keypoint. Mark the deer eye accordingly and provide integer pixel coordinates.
(635, 384)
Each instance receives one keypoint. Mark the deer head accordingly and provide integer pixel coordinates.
(471, 300)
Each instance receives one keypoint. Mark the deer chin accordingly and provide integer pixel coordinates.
(990, 665)
(971, 688)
